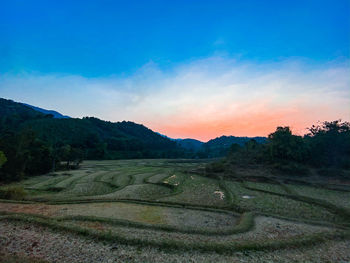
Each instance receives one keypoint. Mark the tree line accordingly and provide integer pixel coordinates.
(33, 143)
(325, 147)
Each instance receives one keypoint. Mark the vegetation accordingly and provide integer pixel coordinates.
(129, 202)
(13, 193)
(220, 146)
(3, 159)
(35, 143)
(281, 192)
(326, 147)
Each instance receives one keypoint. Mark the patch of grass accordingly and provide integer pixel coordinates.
(8, 258)
(245, 223)
(275, 188)
(344, 213)
(141, 178)
(89, 189)
(13, 193)
(50, 182)
(71, 180)
(152, 215)
(140, 192)
(185, 211)
(122, 180)
(157, 178)
(200, 191)
(291, 168)
(339, 198)
(229, 247)
(271, 203)
(331, 172)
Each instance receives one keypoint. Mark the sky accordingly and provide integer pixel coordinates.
(186, 69)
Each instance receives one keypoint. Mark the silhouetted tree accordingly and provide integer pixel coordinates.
(329, 144)
(3, 159)
(283, 145)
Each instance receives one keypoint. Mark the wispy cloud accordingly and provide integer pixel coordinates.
(200, 99)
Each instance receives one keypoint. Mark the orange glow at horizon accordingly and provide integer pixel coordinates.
(254, 124)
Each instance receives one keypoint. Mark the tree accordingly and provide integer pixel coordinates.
(3, 159)
(26, 155)
(283, 145)
(76, 156)
(234, 148)
(329, 144)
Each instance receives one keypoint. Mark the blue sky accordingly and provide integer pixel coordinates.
(99, 38)
(79, 51)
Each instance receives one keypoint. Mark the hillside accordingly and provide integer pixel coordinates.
(55, 114)
(220, 146)
(190, 144)
(120, 139)
(34, 142)
(119, 136)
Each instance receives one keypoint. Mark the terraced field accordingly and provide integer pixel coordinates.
(160, 211)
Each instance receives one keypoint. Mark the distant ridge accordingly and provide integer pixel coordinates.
(55, 114)
(107, 140)
(227, 141)
(95, 138)
(214, 148)
(220, 146)
(190, 144)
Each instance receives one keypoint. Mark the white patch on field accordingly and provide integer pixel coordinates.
(220, 193)
(247, 196)
(171, 177)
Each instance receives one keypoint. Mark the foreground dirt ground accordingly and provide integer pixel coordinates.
(40, 243)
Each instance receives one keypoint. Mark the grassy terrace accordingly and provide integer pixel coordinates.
(160, 204)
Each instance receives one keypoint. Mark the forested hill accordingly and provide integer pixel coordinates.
(27, 135)
(100, 139)
(55, 114)
(190, 144)
(220, 146)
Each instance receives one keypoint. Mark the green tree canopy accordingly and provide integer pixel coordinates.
(3, 159)
(283, 145)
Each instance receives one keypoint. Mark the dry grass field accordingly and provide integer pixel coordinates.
(159, 211)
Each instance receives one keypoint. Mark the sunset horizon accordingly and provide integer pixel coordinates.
(161, 131)
(189, 77)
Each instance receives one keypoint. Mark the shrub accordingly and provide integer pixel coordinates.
(331, 172)
(13, 193)
(3, 158)
(216, 167)
(291, 168)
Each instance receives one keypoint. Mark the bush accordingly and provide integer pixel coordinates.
(216, 167)
(291, 168)
(3, 158)
(331, 172)
(13, 193)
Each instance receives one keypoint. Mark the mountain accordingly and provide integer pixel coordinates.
(227, 141)
(167, 136)
(107, 140)
(97, 138)
(190, 144)
(55, 114)
(220, 146)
